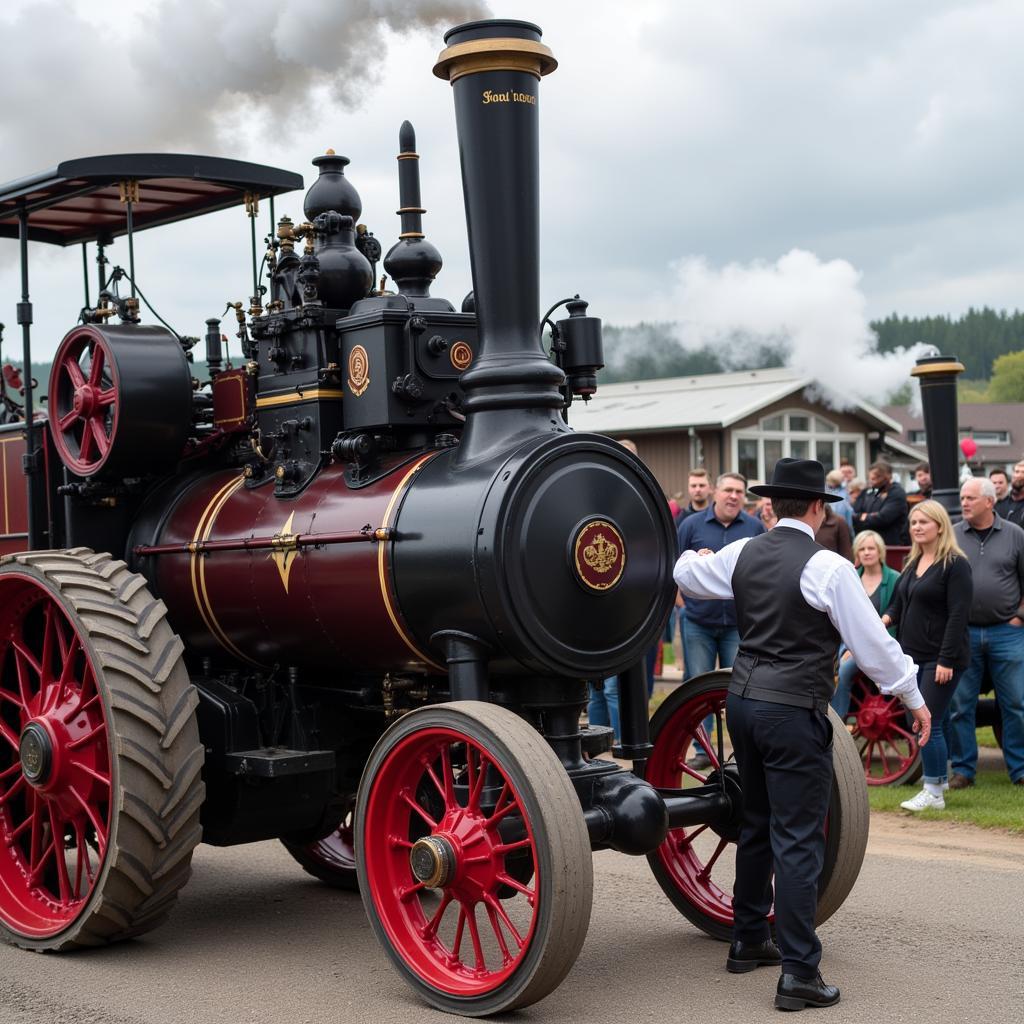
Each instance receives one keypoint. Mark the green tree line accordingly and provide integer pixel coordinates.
(977, 339)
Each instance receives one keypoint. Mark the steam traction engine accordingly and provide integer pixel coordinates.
(348, 594)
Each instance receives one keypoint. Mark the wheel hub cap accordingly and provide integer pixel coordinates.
(36, 753)
(433, 861)
(85, 400)
(873, 719)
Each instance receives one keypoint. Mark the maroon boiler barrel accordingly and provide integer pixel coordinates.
(303, 581)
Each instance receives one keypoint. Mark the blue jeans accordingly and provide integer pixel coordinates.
(670, 626)
(603, 706)
(1001, 650)
(937, 697)
(702, 647)
(847, 673)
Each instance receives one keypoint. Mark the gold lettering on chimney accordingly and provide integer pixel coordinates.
(489, 96)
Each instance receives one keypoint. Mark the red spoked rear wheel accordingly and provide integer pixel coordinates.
(100, 759)
(332, 859)
(84, 401)
(473, 858)
(886, 744)
(695, 865)
(55, 769)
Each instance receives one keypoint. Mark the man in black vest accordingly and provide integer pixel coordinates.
(795, 600)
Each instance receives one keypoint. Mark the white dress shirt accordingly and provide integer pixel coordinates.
(828, 583)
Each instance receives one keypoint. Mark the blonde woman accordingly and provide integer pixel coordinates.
(879, 582)
(929, 610)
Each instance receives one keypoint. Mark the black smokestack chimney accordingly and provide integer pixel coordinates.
(938, 375)
(511, 390)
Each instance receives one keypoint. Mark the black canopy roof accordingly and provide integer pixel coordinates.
(80, 200)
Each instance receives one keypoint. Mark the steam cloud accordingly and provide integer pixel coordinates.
(813, 311)
(178, 81)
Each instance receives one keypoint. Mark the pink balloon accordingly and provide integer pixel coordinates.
(969, 447)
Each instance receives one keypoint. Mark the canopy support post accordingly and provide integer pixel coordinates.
(85, 272)
(252, 208)
(30, 461)
(130, 196)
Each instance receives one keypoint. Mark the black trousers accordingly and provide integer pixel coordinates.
(784, 756)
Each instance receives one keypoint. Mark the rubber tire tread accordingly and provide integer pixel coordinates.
(154, 825)
(558, 826)
(848, 806)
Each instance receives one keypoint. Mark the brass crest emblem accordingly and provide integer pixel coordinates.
(358, 370)
(602, 555)
(599, 554)
(461, 355)
(285, 550)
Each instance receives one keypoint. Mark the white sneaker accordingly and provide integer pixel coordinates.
(924, 801)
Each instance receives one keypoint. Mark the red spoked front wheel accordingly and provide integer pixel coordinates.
(695, 865)
(473, 858)
(84, 407)
(100, 757)
(885, 741)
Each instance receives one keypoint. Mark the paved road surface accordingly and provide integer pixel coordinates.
(933, 933)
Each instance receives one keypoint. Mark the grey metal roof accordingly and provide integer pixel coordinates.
(712, 400)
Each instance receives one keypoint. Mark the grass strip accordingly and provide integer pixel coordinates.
(992, 802)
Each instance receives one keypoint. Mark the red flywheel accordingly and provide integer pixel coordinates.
(83, 400)
(120, 399)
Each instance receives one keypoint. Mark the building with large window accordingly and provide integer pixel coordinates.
(743, 421)
(997, 428)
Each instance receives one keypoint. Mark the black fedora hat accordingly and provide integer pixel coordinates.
(796, 478)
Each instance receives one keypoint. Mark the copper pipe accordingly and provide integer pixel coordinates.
(278, 542)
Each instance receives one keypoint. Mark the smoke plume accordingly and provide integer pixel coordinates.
(181, 77)
(811, 312)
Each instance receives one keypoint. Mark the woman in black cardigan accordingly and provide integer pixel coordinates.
(929, 610)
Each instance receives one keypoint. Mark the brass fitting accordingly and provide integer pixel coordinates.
(252, 368)
(128, 190)
(289, 233)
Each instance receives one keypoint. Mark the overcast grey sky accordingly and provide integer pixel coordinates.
(687, 147)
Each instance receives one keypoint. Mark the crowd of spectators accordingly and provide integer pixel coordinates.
(957, 607)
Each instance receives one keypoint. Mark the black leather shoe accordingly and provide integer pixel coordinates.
(746, 956)
(796, 993)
